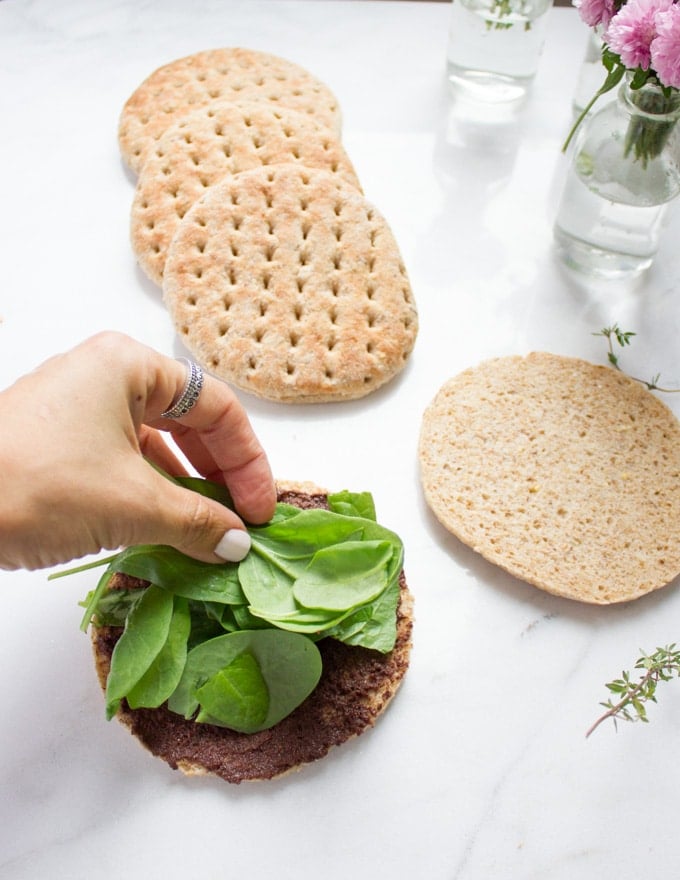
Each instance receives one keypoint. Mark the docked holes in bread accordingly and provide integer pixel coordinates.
(206, 146)
(563, 473)
(288, 283)
(226, 74)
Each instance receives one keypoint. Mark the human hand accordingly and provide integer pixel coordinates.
(73, 440)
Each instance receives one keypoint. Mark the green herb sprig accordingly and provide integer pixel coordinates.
(623, 338)
(631, 697)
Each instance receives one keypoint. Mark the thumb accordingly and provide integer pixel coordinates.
(197, 526)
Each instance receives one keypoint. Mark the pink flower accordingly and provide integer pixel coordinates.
(595, 12)
(632, 29)
(666, 47)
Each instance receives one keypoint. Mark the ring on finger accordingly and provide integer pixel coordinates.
(190, 393)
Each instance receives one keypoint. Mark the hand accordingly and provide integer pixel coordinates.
(74, 435)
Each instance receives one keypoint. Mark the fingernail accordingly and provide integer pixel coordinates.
(234, 545)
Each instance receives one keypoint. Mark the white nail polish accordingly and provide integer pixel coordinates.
(234, 545)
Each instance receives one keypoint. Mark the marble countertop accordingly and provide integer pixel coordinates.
(480, 768)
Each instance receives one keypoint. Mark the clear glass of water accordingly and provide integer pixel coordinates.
(494, 48)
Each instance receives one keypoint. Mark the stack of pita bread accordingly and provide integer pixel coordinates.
(279, 275)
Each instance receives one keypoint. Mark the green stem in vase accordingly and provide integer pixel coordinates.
(614, 77)
(647, 136)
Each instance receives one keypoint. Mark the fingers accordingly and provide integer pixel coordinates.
(217, 438)
(154, 448)
(195, 525)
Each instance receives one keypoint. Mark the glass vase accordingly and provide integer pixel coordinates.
(624, 172)
(494, 47)
(591, 75)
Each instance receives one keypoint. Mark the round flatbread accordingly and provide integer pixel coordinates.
(205, 147)
(356, 687)
(288, 283)
(229, 74)
(563, 473)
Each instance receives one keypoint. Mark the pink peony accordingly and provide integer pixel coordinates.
(632, 29)
(666, 47)
(595, 12)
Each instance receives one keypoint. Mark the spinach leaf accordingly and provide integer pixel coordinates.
(168, 568)
(301, 536)
(145, 633)
(353, 504)
(114, 606)
(284, 511)
(205, 623)
(94, 597)
(309, 573)
(290, 665)
(345, 576)
(207, 488)
(266, 584)
(373, 625)
(164, 673)
(308, 621)
(236, 696)
(246, 620)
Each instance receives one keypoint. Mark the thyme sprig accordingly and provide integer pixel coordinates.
(632, 696)
(623, 338)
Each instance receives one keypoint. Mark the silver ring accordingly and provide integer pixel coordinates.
(190, 393)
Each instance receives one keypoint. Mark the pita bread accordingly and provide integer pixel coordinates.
(286, 282)
(563, 473)
(210, 144)
(201, 79)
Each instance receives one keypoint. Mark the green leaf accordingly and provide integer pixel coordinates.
(267, 585)
(207, 488)
(168, 568)
(372, 626)
(236, 696)
(204, 624)
(345, 576)
(302, 535)
(145, 633)
(359, 504)
(94, 597)
(290, 665)
(284, 511)
(115, 605)
(270, 573)
(164, 673)
(311, 622)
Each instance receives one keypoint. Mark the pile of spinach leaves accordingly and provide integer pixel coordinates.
(234, 644)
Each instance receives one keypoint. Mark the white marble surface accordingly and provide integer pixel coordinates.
(480, 769)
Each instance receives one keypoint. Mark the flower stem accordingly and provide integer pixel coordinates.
(614, 77)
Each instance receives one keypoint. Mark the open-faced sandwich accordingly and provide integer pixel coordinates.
(249, 670)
